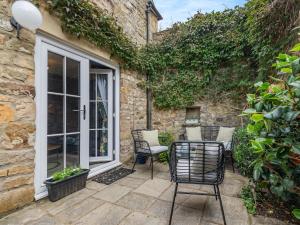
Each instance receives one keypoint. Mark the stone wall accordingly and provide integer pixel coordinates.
(132, 111)
(221, 114)
(17, 115)
(17, 91)
(130, 15)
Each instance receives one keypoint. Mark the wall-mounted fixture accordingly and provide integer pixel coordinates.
(25, 14)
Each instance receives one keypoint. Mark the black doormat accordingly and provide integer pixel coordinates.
(113, 175)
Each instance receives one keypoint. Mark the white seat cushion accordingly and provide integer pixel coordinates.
(155, 149)
(151, 136)
(225, 134)
(193, 133)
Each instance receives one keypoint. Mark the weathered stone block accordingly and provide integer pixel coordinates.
(16, 198)
(16, 181)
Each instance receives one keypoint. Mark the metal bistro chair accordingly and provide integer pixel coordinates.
(142, 147)
(197, 163)
(210, 133)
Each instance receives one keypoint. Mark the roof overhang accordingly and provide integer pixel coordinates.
(154, 10)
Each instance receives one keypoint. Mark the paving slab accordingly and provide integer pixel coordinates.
(113, 193)
(106, 214)
(55, 207)
(138, 218)
(136, 202)
(168, 194)
(260, 220)
(23, 216)
(95, 186)
(196, 202)
(131, 182)
(45, 220)
(235, 212)
(186, 216)
(153, 187)
(72, 214)
(160, 209)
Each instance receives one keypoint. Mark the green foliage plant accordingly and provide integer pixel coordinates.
(296, 213)
(248, 199)
(166, 139)
(65, 173)
(213, 55)
(274, 113)
(243, 154)
(83, 19)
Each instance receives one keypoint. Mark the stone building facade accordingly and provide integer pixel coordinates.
(18, 136)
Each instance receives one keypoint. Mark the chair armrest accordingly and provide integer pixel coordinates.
(144, 145)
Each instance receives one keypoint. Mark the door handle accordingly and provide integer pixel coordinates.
(81, 110)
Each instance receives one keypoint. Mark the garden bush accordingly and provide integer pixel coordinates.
(274, 113)
(243, 154)
(165, 139)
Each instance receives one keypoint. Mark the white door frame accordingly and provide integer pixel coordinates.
(41, 110)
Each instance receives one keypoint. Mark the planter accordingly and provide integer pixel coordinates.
(141, 159)
(62, 188)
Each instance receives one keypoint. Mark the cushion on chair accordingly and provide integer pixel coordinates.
(155, 149)
(151, 136)
(225, 134)
(193, 133)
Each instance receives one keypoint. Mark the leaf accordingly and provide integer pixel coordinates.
(257, 117)
(290, 116)
(275, 114)
(296, 149)
(295, 84)
(296, 213)
(249, 111)
(287, 183)
(296, 66)
(257, 146)
(257, 171)
(296, 48)
(259, 106)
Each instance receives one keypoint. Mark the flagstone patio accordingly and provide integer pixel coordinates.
(138, 200)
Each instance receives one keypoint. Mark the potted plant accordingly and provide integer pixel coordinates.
(66, 182)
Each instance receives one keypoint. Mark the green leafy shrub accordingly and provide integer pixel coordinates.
(243, 154)
(165, 139)
(248, 199)
(296, 213)
(274, 126)
(67, 172)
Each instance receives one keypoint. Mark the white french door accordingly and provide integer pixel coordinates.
(65, 109)
(77, 114)
(101, 115)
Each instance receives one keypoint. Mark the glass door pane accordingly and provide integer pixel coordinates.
(64, 113)
(100, 116)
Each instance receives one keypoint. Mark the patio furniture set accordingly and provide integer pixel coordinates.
(198, 159)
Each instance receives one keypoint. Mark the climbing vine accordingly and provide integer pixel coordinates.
(84, 19)
(215, 55)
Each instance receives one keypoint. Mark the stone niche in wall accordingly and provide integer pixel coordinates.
(192, 116)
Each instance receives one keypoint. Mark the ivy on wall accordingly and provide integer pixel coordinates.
(84, 19)
(213, 55)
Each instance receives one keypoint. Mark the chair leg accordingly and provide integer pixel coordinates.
(221, 205)
(232, 162)
(151, 167)
(173, 203)
(215, 192)
(132, 170)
